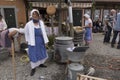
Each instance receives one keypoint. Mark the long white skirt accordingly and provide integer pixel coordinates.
(36, 64)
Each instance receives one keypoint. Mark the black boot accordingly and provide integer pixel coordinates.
(112, 45)
(118, 47)
(32, 72)
(42, 65)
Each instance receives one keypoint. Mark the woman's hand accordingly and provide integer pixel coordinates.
(1, 30)
(83, 26)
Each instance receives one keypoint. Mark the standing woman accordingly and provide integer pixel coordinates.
(36, 37)
(107, 30)
(88, 30)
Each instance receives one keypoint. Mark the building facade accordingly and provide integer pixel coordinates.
(14, 12)
(80, 7)
(102, 8)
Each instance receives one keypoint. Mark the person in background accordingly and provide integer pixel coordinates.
(98, 25)
(16, 33)
(116, 30)
(36, 38)
(8, 35)
(107, 29)
(111, 22)
(94, 27)
(3, 24)
(88, 29)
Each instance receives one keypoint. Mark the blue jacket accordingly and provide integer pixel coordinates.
(117, 24)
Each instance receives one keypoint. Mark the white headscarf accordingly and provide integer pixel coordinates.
(34, 11)
(86, 15)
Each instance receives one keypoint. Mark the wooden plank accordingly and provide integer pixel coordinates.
(86, 77)
(78, 78)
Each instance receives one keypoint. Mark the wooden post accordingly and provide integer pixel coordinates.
(13, 60)
(101, 15)
(83, 12)
(71, 19)
(52, 25)
(93, 9)
(60, 19)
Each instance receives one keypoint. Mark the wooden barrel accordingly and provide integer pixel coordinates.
(78, 38)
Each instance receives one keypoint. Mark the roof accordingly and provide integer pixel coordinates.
(75, 5)
(58, 0)
(107, 0)
(74, 0)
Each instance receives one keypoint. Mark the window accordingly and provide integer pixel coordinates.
(97, 14)
(105, 13)
(88, 11)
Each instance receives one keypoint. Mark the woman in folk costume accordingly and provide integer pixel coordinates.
(36, 37)
(88, 29)
(8, 35)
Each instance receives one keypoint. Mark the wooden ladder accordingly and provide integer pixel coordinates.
(86, 77)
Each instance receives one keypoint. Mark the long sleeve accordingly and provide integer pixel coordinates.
(29, 33)
(117, 25)
(26, 33)
(5, 25)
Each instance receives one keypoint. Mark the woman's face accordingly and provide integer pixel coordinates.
(35, 15)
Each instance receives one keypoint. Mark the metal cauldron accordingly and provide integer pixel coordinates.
(77, 54)
(60, 45)
(73, 69)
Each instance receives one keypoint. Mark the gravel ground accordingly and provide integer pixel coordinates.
(100, 56)
(52, 72)
(103, 58)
